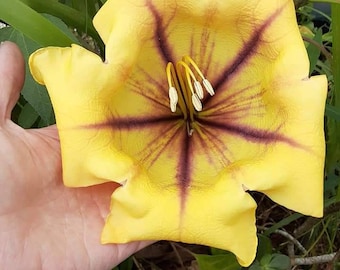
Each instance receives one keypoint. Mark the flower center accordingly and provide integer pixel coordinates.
(184, 87)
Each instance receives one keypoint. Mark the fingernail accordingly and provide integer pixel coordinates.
(2, 42)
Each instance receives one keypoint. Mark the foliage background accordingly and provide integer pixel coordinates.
(287, 240)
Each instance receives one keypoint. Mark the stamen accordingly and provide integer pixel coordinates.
(188, 59)
(183, 82)
(208, 87)
(196, 102)
(199, 89)
(175, 94)
(173, 98)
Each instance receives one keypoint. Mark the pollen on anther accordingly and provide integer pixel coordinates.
(208, 87)
(196, 102)
(198, 89)
(173, 98)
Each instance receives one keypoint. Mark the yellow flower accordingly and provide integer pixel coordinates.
(185, 164)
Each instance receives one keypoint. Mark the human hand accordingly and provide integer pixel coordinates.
(43, 224)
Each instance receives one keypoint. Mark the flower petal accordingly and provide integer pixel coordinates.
(294, 167)
(78, 96)
(221, 215)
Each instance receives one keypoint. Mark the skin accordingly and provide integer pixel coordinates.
(43, 224)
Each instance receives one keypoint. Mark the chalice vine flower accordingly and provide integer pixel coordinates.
(196, 103)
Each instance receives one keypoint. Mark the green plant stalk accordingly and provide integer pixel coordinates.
(79, 5)
(86, 6)
(70, 16)
(92, 6)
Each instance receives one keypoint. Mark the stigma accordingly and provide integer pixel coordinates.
(186, 86)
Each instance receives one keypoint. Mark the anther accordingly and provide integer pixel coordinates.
(208, 87)
(173, 98)
(198, 89)
(196, 102)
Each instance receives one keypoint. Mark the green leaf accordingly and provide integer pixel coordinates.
(125, 265)
(279, 262)
(62, 26)
(333, 112)
(71, 16)
(326, 1)
(217, 251)
(255, 266)
(333, 130)
(265, 260)
(217, 262)
(331, 183)
(264, 247)
(313, 51)
(32, 24)
(35, 94)
(272, 262)
(28, 116)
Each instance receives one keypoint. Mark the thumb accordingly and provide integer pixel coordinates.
(12, 76)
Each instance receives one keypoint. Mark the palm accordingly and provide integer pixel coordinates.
(42, 222)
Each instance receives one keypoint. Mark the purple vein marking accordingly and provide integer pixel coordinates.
(184, 170)
(247, 51)
(161, 39)
(153, 100)
(134, 122)
(233, 99)
(249, 133)
(219, 147)
(159, 83)
(156, 147)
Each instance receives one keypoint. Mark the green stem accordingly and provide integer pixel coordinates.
(91, 7)
(79, 5)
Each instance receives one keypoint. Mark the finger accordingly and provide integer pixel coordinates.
(12, 75)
